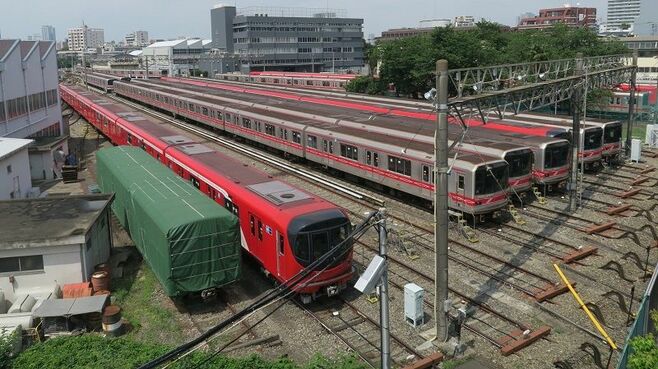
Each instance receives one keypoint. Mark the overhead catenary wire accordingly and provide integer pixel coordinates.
(283, 289)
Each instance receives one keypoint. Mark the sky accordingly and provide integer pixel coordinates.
(166, 19)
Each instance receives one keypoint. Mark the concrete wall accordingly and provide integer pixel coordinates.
(221, 27)
(61, 265)
(98, 244)
(19, 180)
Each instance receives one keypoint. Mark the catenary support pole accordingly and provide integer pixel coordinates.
(575, 138)
(441, 203)
(383, 295)
(631, 107)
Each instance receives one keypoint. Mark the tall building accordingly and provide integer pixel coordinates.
(572, 16)
(137, 38)
(290, 39)
(81, 38)
(48, 33)
(622, 13)
(29, 103)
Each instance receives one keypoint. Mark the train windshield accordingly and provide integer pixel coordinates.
(612, 133)
(593, 138)
(520, 162)
(491, 178)
(556, 155)
(313, 235)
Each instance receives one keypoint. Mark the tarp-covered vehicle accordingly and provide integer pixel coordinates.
(189, 241)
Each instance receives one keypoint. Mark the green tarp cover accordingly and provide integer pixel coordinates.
(189, 241)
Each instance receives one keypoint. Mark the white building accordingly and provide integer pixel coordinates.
(48, 33)
(137, 38)
(48, 242)
(29, 101)
(175, 57)
(622, 13)
(464, 21)
(82, 38)
(15, 182)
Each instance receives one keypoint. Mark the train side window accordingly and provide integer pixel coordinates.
(296, 137)
(375, 158)
(130, 138)
(331, 147)
(228, 118)
(220, 116)
(246, 123)
(260, 230)
(285, 134)
(191, 107)
(349, 151)
(281, 243)
(252, 225)
(460, 184)
(195, 182)
(270, 129)
(399, 165)
(312, 141)
(369, 157)
(205, 111)
(324, 145)
(426, 173)
(258, 126)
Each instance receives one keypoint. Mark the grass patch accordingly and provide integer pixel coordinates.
(93, 351)
(140, 295)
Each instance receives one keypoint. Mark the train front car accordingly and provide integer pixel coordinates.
(591, 146)
(520, 170)
(611, 148)
(552, 164)
(481, 191)
(311, 236)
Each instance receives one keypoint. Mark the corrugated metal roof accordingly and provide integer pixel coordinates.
(26, 48)
(166, 43)
(45, 47)
(9, 146)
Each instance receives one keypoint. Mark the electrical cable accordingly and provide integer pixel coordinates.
(267, 297)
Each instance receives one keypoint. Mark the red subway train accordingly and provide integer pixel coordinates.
(283, 228)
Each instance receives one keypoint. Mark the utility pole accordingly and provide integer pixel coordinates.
(441, 303)
(575, 137)
(383, 295)
(146, 59)
(631, 106)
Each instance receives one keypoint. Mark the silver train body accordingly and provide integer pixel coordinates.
(301, 82)
(477, 183)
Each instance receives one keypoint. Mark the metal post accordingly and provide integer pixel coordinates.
(146, 58)
(575, 138)
(383, 295)
(441, 203)
(631, 106)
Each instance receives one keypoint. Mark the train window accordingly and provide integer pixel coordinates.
(399, 165)
(349, 151)
(252, 225)
(324, 145)
(220, 115)
(331, 147)
(143, 145)
(426, 173)
(205, 111)
(258, 126)
(246, 123)
(195, 182)
(130, 138)
(375, 158)
(312, 141)
(369, 157)
(260, 230)
(158, 157)
(191, 107)
(228, 118)
(270, 129)
(281, 243)
(296, 137)
(460, 184)
(285, 134)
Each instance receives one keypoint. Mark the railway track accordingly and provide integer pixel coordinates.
(482, 328)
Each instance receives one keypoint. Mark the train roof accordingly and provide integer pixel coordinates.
(423, 148)
(565, 118)
(541, 121)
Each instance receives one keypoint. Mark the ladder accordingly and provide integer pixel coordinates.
(515, 214)
(540, 198)
(467, 231)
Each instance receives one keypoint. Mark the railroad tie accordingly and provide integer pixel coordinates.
(519, 339)
(579, 254)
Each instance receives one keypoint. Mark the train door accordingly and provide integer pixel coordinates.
(460, 185)
(280, 253)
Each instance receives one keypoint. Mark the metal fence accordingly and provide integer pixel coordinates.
(642, 324)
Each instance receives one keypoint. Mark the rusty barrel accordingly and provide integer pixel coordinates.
(100, 281)
(112, 324)
(103, 267)
(102, 292)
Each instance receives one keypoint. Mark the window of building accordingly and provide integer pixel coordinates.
(8, 169)
(296, 137)
(349, 151)
(21, 264)
(399, 165)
